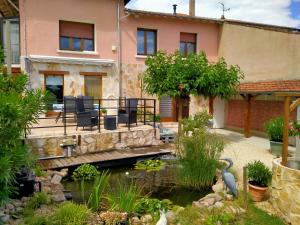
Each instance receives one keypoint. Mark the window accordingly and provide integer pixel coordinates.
(146, 42)
(187, 43)
(75, 36)
(55, 87)
(14, 40)
(93, 86)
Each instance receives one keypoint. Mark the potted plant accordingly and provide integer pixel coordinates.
(103, 111)
(274, 129)
(259, 178)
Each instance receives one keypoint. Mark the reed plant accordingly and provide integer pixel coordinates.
(100, 186)
(124, 197)
(198, 151)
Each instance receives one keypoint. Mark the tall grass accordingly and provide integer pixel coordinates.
(124, 197)
(100, 185)
(199, 159)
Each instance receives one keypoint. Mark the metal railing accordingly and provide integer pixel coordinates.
(144, 111)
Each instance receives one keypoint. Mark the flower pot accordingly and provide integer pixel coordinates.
(276, 148)
(257, 193)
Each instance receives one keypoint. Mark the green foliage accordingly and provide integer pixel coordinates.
(124, 197)
(152, 205)
(173, 75)
(197, 122)
(259, 174)
(198, 158)
(103, 110)
(101, 183)
(38, 199)
(274, 129)
(19, 109)
(150, 165)
(85, 172)
(36, 219)
(39, 171)
(69, 213)
(189, 216)
(222, 218)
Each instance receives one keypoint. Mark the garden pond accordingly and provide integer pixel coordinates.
(157, 183)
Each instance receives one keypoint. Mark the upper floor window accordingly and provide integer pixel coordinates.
(188, 43)
(146, 42)
(75, 36)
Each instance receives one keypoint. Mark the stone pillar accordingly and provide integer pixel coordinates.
(298, 138)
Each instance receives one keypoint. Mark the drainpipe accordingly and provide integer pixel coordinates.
(119, 51)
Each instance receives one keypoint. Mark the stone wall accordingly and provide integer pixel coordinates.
(285, 194)
(94, 142)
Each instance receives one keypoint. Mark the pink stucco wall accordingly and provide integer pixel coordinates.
(168, 35)
(40, 25)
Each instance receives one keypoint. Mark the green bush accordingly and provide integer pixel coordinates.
(69, 213)
(85, 172)
(224, 219)
(189, 216)
(152, 205)
(38, 199)
(124, 198)
(19, 109)
(197, 122)
(150, 165)
(199, 160)
(259, 174)
(274, 129)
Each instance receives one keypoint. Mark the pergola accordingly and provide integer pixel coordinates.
(288, 89)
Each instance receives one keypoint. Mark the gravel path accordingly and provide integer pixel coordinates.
(243, 150)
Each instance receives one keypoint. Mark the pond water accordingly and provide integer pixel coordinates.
(156, 184)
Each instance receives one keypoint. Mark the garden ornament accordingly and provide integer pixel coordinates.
(162, 219)
(228, 178)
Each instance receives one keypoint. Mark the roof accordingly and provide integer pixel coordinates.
(270, 86)
(213, 20)
(9, 8)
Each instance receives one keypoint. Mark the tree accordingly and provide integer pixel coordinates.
(179, 77)
(19, 108)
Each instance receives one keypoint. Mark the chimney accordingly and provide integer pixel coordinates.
(174, 9)
(192, 8)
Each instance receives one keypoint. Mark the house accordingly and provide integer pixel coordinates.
(98, 48)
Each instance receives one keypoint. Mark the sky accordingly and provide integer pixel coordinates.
(275, 12)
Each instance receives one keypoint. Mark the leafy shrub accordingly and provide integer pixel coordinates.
(100, 185)
(150, 165)
(189, 216)
(38, 199)
(69, 213)
(274, 129)
(224, 219)
(199, 159)
(259, 174)
(152, 205)
(85, 172)
(19, 109)
(197, 122)
(124, 198)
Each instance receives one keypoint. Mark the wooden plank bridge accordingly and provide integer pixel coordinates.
(106, 156)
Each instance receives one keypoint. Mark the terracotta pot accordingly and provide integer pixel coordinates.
(257, 193)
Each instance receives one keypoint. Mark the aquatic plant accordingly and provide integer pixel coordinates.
(100, 185)
(198, 159)
(150, 165)
(152, 206)
(84, 173)
(124, 197)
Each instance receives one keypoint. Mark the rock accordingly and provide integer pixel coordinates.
(56, 179)
(58, 197)
(19, 209)
(120, 146)
(214, 196)
(25, 199)
(228, 197)
(135, 221)
(198, 205)
(89, 140)
(146, 218)
(208, 202)
(218, 205)
(171, 217)
(218, 187)
(5, 218)
(17, 203)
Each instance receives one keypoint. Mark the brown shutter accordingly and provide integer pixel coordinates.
(188, 37)
(74, 29)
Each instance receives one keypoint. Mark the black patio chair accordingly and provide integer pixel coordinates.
(69, 107)
(128, 115)
(86, 117)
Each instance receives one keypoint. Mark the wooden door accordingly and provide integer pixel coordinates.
(93, 86)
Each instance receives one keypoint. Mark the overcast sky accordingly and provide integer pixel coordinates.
(277, 12)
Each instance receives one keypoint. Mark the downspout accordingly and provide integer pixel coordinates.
(119, 51)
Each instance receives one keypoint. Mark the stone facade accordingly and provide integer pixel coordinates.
(285, 194)
(94, 142)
